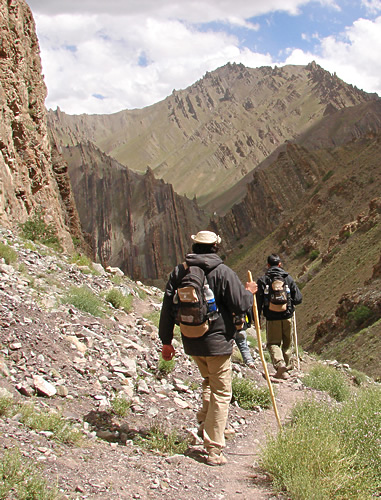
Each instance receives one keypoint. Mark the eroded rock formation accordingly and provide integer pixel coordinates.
(27, 179)
(136, 222)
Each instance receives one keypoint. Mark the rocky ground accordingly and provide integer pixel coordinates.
(71, 362)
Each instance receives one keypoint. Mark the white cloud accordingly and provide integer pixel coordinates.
(372, 5)
(354, 56)
(101, 56)
(187, 10)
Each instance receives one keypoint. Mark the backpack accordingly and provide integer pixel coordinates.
(191, 307)
(278, 294)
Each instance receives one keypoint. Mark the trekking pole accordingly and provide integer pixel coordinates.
(296, 343)
(258, 329)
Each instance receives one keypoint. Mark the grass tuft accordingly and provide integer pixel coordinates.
(7, 253)
(329, 451)
(6, 405)
(85, 300)
(248, 396)
(327, 378)
(120, 405)
(37, 230)
(159, 439)
(21, 479)
(118, 300)
(61, 429)
(166, 367)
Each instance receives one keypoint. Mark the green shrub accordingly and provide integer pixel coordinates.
(359, 315)
(81, 260)
(327, 378)
(314, 254)
(158, 438)
(359, 378)
(85, 300)
(166, 367)
(116, 279)
(154, 317)
(141, 293)
(61, 429)
(116, 298)
(7, 253)
(248, 396)
(36, 229)
(120, 405)
(237, 356)
(328, 175)
(6, 405)
(328, 451)
(300, 253)
(21, 479)
(193, 386)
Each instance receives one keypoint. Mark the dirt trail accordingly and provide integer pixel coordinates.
(245, 479)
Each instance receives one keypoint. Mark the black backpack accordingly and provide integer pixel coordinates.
(191, 308)
(278, 294)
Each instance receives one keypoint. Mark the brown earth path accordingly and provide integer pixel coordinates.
(121, 473)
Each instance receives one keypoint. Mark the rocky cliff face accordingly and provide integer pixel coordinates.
(134, 221)
(27, 179)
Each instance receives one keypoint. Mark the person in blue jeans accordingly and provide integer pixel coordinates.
(240, 338)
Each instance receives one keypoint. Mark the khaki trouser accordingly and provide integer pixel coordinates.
(216, 397)
(279, 342)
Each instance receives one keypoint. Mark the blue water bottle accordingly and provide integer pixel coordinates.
(212, 306)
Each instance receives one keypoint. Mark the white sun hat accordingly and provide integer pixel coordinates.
(206, 237)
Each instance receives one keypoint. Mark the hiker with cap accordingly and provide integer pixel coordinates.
(277, 297)
(212, 346)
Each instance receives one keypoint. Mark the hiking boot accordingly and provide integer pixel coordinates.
(250, 364)
(282, 373)
(216, 458)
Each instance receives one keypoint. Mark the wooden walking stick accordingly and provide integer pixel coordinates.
(296, 343)
(258, 329)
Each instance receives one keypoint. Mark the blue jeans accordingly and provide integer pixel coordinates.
(241, 341)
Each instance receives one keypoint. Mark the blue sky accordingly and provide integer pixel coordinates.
(102, 56)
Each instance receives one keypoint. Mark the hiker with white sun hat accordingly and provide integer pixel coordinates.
(210, 343)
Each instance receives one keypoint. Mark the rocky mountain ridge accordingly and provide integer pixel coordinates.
(219, 128)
